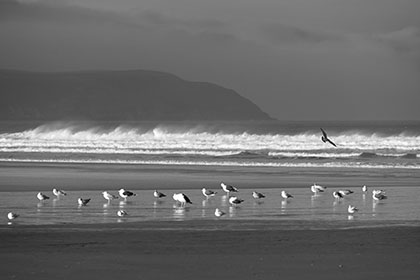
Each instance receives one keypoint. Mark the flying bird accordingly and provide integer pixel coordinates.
(42, 196)
(181, 198)
(125, 194)
(158, 194)
(208, 193)
(82, 201)
(325, 138)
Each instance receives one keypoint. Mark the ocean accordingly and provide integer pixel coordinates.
(259, 144)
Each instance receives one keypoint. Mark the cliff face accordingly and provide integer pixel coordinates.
(118, 95)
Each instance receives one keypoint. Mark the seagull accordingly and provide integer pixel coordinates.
(286, 195)
(257, 195)
(325, 139)
(208, 193)
(219, 213)
(228, 188)
(352, 209)
(317, 188)
(181, 198)
(345, 192)
(121, 213)
(235, 201)
(378, 195)
(337, 195)
(108, 196)
(125, 194)
(364, 189)
(158, 194)
(42, 196)
(11, 216)
(83, 202)
(58, 193)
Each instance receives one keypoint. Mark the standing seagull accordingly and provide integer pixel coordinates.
(58, 193)
(122, 213)
(83, 202)
(345, 192)
(352, 209)
(257, 195)
(337, 195)
(219, 213)
(364, 189)
(108, 196)
(208, 193)
(158, 194)
(42, 196)
(181, 198)
(235, 201)
(125, 194)
(11, 216)
(228, 188)
(317, 188)
(286, 195)
(325, 139)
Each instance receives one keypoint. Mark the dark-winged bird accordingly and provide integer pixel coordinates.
(325, 139)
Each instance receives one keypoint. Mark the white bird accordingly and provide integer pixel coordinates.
(108, 196)
(158, 194)
(345, 192)
(83, 202)
(286, 195)
(378, 195)
(235, 201)
(352, 209)
(181, 198)
(208, 193)
(257, 195)
(228, 188)
(337, 195)
(121, 213)
(58, 193)
(317, 188)
(219, 213)
(364, 189)
(42, 196)
(12, 216)
(125, 194)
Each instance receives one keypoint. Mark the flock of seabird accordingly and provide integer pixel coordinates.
(182, 199)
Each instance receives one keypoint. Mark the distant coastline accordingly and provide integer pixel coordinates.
(132, 95)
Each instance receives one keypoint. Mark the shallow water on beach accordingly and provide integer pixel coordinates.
(401, 205)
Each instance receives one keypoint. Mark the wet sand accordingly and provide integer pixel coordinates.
(192, 250)
(210, 249)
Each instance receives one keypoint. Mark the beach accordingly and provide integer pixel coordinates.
(148, 251)
(205, 248)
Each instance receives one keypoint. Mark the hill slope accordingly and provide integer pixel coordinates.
(117, 95)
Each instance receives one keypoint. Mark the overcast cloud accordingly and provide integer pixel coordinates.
(296, 59)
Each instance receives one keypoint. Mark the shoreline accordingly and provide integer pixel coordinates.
(42, 176)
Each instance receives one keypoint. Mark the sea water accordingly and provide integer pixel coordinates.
(260, 144)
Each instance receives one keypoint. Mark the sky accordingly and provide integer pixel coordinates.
(295, 59)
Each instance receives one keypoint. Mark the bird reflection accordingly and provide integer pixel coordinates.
(224, 200)
(350, 217)
(179, 212)
(232, 211)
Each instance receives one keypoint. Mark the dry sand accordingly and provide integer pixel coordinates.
(188, 251)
